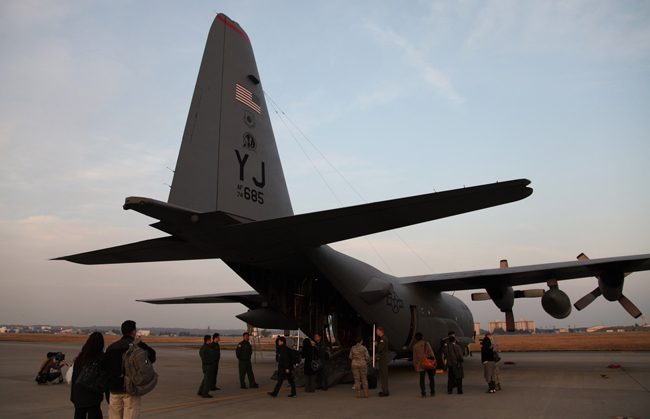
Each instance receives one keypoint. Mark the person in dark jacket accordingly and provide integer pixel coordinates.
(487, 358)
(244, 352)
(285, 369)
(309, 354)
(382, 350)
(321, 350)
(454, 358)
(122, 404)
(217, 354)
(86, 403)
(208, 356)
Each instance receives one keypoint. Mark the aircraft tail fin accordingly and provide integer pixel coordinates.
(229, 160)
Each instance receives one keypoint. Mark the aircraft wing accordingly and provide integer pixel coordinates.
(531, 274)
(250, 299)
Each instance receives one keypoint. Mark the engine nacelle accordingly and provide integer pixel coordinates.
(556, 303)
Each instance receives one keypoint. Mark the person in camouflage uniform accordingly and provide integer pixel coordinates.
(360, 357)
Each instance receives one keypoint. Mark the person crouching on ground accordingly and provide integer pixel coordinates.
(285, 369)
(360, 357)
(86, 402)
(45, 374)
(423, 350)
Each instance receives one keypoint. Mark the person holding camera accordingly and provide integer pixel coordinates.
(51, 368)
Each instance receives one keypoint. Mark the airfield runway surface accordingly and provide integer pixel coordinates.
(538, 385)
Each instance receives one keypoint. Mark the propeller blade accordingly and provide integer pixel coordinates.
(480, 296)
(587, 299)
(630, 307)
(510, 321)
(536, 293)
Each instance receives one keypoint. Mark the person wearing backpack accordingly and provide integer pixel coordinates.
(87, 402)
(122, 404)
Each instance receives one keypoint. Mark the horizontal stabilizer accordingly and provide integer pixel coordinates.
(250, 299)
(218, 235)
(154, 250)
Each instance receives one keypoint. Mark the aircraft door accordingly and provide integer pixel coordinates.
(410, 340)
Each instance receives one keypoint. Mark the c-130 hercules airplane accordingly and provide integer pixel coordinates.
(229, 200)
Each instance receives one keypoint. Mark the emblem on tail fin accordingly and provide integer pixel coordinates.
(249, 119)
(249, 142)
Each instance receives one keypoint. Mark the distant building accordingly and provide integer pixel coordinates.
(144, 332)
(496, 324)
(526, 325)
(522, 324)
(477, 329)
(593, 329)
(3, 329)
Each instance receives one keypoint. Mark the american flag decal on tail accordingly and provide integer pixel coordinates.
(247, 97)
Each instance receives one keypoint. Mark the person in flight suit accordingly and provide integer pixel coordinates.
(321, 350)
(217, 356)
(207, 364)
(244, 352)
(382, 348)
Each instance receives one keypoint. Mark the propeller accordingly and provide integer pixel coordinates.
(504, 303)
(623, 300)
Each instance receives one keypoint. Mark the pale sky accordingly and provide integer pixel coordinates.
(402, 99)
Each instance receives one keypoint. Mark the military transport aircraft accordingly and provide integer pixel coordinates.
(229, 200)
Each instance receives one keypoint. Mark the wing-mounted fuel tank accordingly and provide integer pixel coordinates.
(555, 301)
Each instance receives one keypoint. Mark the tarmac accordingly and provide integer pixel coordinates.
(537, 385)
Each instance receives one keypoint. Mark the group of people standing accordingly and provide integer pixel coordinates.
(315, 357)
(360, 357)
(210, 354)
(87, 402)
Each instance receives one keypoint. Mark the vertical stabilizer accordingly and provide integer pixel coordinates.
(229, 161)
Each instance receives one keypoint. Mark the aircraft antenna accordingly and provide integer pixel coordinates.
(276, 107)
